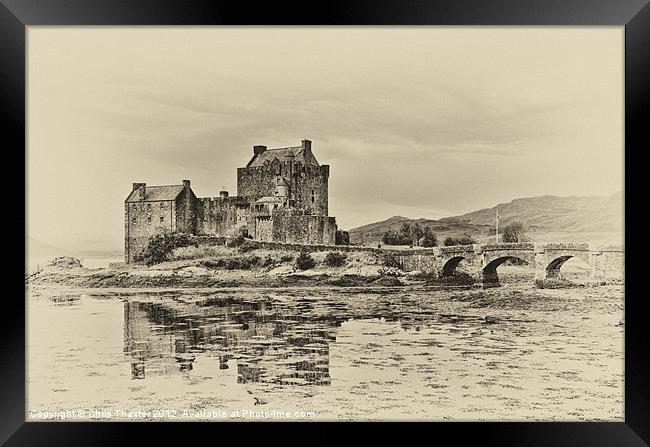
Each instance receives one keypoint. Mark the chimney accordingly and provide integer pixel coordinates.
(143, 189)
(257, 150)
(306, 145)
(223, 194)
(186, 183)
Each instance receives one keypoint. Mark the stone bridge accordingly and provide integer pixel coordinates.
(484, 260)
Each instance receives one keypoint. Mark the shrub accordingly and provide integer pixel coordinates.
(304, 261)
(514, 232)
(246, 246)
(335, 259)
(466, 239)
(286, 258)
(390, 260)
(162, 245)
(462, 240)
(234, 263)
(428, 239)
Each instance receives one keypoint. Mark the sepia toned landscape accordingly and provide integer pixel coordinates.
(376, 236)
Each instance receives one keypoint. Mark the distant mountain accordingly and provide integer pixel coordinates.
(543, 215)
(553, 213)
(38, 249)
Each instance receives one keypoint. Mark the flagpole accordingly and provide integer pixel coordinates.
(497, 227)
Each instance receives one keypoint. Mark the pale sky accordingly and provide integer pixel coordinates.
(414, 121)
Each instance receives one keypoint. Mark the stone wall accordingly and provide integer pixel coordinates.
(263, 230)
(259, 181)
(425, 262)
(186, 210)
(143, 220)
(608, 263)
(217, 215)
(308, 179)
(303, 229)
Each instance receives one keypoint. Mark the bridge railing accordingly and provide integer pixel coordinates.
(458, 248)
(509, 246)
(565, 246)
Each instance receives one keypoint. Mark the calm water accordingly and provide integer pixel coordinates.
(513, 354)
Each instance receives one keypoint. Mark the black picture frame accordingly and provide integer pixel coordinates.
(634, 15)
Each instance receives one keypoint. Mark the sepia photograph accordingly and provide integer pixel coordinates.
(325, 223)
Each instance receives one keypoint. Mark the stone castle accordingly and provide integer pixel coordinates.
(281, 196)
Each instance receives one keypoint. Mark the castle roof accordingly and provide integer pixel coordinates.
(156, 193)
(297, 153)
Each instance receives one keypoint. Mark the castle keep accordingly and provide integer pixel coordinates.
(281, 197)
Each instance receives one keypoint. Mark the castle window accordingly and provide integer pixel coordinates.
(162, 205)
(313, 196)
(134, 219)
(162, 219)
(149, 218)
(148, 206)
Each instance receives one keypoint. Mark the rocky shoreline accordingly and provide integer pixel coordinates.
(142, 278)
(192, 274)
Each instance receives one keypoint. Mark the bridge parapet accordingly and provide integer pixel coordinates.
(608, 249)
(411, 251)
(509, 246)
(569, 246)
(453, 249)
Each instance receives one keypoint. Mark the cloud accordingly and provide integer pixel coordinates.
(418, 121)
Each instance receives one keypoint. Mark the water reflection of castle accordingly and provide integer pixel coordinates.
(165, 336)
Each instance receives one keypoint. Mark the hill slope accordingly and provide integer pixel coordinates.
(38, 249)
(547, 217)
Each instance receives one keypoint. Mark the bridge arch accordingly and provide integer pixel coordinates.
(490, 276)
(553, 267)
(553, 256)
(556, 263)
(449, 267)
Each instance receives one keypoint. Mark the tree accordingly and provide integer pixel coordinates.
(391, 238)
(405, 230)
(449, 241)
(416, 233)
(465, 239)
(514, 232)
(162, 245)
(429, 238)
(401, 237)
